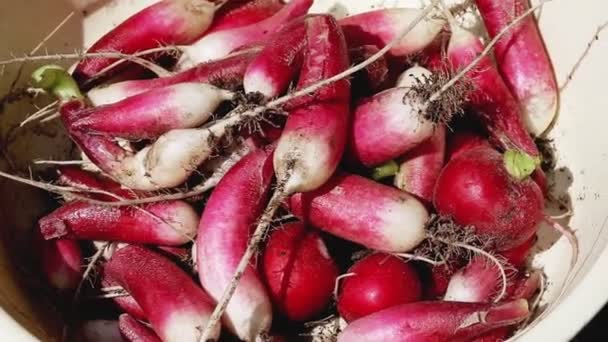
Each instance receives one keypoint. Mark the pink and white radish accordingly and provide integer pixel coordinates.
(150, 114)
(299, 271)
(175, 306)
(380, 27)
(476, 188)
(125, 303)
(226, 73)
(277, 65)
(134, 331)
(75, 177)
(381, 218)
(420, 167)
(523, 61)
(220, 44)
(224, 231)
(377, 282)
(414, 76)
(165, 223)
(434, 321)
(175, 22)
(480, 281)
(374, 77)
(239, 13)
(491, 98)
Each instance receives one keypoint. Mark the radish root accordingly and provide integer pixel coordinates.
(415, 257)
(337, 283)
(569, 235)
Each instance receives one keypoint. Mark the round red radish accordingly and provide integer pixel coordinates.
(299, 271)
(476, 189)
(379, 281)
(517, 255)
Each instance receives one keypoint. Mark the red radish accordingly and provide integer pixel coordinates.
(434, 321)
(414, 76)
(476, 188)
(480, 281)
(134, 331)
(175, 22)
(523, 61)
(125, 303)
(420, 168)
(437, 283)
(239, 13)
(299, 271)
(491, 98)
(220, 44)
(271, 72)
(225, 73)
(150, 114)
(374, 76)
(175, 306)
(358, 209)
(224, 230)
(164, 223)
(72, 176)
(61, 262)
(387, 125)
(314, 135)
(377, 282)
(380, 27)
(517, 255)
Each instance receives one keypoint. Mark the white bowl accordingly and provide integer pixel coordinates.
(580, 140)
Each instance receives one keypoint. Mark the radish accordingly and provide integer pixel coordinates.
(434, 321)
(476, 188)
(134, 331)
(225, 73)
(414, 76)
(382, 26)
(491, 98)
(387, 125)
(478, 282)
(518, 255)
(168, 22)
(75, 177)
(150, 114)
(271, 72)
(523, 61)
(164, 223)
(377, 282)
(224, 230)
(61, 262)
(299, 271)
(437, 282)
(381, 218)
(239, 13)
(420, 168)
(174, 305)
(220, 44)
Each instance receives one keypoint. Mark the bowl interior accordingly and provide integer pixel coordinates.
(578, 183)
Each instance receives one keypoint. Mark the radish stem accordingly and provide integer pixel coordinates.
(387, 170)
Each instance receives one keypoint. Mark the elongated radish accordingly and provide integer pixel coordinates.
(420, 168)
(125, 303)
(476, 188)
(271, 72)
(76, 177)
(220, 44)
(523, 61)
(175, 22)
(373, 77)
(224, 230)
(382, 217)
(169, 223)
(434, 321)
(61, 262)
(150, 114)
(380, 27)
(174, 305)
(491, 99)
(239, 13)
(226, 73)
(480, 281)
(377, 282)
(134, 331)
(299, 271)
(387, 125)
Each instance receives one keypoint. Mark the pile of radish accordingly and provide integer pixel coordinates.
(299, 176)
